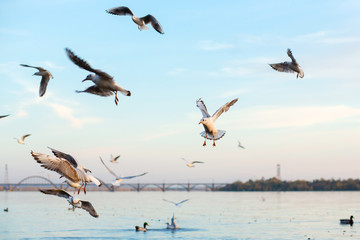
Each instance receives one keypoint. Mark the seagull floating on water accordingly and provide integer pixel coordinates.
(104, 83)
(75, 202)
(290, 67)
(22, 139)
(178, 204)
(118, 179)
(45, 77)
(114, 159)
(141, 22)
(143, 229)
(208, 121)
(191, 164)
(240, 146)
(66, 166)
(173, 224)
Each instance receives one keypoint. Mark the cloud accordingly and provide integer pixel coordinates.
(281, 117)
(212, 46)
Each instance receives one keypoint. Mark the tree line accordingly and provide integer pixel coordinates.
(274, 184)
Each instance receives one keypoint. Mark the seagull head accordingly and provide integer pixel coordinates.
(75, 200)
(89, 77)
(204, 121)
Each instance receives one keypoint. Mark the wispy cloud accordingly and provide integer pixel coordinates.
(213, 46)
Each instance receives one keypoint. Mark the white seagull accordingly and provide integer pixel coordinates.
(173, 224)
(66, 166)
(22, 139)
(45, 77)
(208, 121)
(240, 146)
(191, 164)
(75, 202)
(178, 204)
(104, 83)
(290, 67)
(141, 22)
(77, 186)
(114, 159)
(118, 179)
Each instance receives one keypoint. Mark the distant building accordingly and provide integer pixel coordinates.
(278, 176)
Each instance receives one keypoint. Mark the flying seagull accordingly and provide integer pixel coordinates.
(114, 159)
(104, 83)
(191, 164)
(290, 67)
(21, 141)
(208, 121)
(141, 22)
(177, 204)
(4, 116)
(45, 77)
(117, 178)
(240, 146)
(75, 202)
(77, 186)
(66, 166)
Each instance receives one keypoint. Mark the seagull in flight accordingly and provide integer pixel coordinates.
(191, 164)
(75, 202)
(114, 159)
(290, 67)
(104, 83)
(66, 166)
(240, 146)
(22, 139)
(178, 204)
(45, 77)
(211, 132)
(118, 179)
(140, 21)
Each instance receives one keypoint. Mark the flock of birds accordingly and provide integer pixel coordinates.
(77, 176)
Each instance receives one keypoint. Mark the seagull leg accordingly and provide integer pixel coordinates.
(80, 188)
(85, 188)
(214, 143)
(116, 98)
(205, 140)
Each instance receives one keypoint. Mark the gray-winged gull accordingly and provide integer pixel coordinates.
(290, 67)
(45, 77)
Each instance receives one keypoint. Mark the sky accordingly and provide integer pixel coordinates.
(214, 50)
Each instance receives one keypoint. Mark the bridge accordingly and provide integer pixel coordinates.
(35, 182)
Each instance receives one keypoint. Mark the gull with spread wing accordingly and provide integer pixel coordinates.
(104, 83)
(22, 139)
(240, 146)
(75, 202)
(141, 22)
(289, 67)
(191, 164)
(211, 132)
(45, 77)
(114, 159)
(66, 166)
(178, 204)
(118, 179)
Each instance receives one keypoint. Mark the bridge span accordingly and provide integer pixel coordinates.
(32, 183)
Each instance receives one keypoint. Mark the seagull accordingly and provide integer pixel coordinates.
(77, 186)
(21, 141)
(66, 166)
(45, 77)
(177, 204)
(290, 67)
(104, 83)
(208, 121)
(192, 163)
(75, 202)
(114, 159)
(143, 229)
(173, 224)
(117, 178)
(4, 116)
(141, 22)
(241, 146)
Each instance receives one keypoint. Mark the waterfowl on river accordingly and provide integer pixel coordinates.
(347, 221)
(143, 229)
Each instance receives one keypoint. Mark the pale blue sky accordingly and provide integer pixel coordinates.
(216, 50)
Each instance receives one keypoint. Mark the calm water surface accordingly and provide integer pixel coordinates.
(207, 215)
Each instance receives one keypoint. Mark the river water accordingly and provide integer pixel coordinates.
(207, 215)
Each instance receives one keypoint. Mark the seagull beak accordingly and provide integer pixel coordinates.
(84, 80)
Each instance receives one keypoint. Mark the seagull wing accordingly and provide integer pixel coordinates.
(116, 158)
(56, 192)
(197, 162)
(116, 176)
(129, 177)
(282, 67)
(58, 165)
(169, 201)
(154, 23)
(224, 108)
(38, 68)
(201, 105)
(121, 11)
(89, 208)
(84, 65)
(65, 156)
(104, 92)
(43, 84)
(289, 53)
(25, 136)
(183, 201)
(185, 160)
(4, 116)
